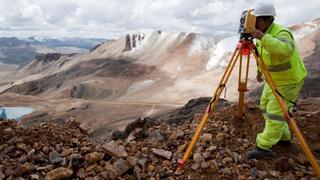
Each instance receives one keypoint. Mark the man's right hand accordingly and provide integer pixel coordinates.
(258, 34)
(259, 77)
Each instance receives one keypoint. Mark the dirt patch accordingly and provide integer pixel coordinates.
(89, 91)
(119, 68)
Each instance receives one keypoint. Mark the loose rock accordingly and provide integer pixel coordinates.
(121, 167)
(162, 153)
(59, 173)
(113, 149)
(54, 157)
(220, 137)
(94, 157)
(206, 137)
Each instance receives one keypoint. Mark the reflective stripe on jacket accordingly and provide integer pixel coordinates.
(280, 54)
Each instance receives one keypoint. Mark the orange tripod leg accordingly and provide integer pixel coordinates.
(242, 83)
(210, 108)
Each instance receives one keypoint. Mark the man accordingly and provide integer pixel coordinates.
(277, 48)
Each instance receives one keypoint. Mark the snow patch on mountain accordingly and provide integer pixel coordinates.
(153, 40)
(299, 34)
(200, 44)
(223, 47)
(307, 28)
(143, 42)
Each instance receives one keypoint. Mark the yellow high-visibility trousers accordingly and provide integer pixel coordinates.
(276, 127)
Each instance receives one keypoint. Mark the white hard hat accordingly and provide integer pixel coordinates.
(264, 9)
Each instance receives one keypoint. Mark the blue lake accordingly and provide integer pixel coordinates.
(15, 112)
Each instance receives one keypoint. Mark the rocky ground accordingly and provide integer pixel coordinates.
(149, 148)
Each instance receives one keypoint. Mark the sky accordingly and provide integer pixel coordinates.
(114, 18)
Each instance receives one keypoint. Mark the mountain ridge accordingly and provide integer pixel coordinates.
(161, 71)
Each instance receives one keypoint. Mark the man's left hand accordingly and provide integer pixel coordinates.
(258, 34)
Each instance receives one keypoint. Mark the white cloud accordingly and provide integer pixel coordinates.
(110, 18)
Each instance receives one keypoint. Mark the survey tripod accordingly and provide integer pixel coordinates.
(243, 50)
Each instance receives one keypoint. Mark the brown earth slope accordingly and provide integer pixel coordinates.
(150, 149)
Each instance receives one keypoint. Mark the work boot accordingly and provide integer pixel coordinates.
(258, 153)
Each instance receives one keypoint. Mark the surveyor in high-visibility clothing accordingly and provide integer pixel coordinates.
(277, 49)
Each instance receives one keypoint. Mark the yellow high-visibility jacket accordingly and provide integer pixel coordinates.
(279, 52)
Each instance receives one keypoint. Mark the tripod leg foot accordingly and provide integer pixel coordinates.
(180, 169)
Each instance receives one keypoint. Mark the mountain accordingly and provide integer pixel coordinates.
(142, 74)
(158, 62)
(83, 43)
(21, 51)
(137, 75)
(137, 98)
